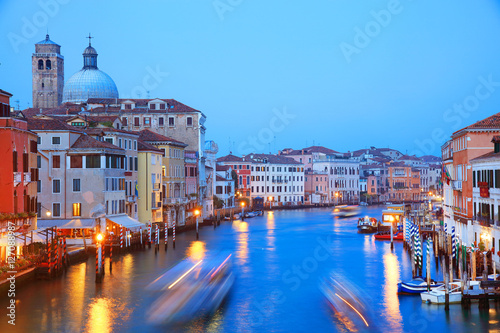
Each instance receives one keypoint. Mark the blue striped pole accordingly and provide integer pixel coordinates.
(453, 244)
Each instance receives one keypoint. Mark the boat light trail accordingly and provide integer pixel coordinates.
(218, 268)
(184, 275)
(352, 307)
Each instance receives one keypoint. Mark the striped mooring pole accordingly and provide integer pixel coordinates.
(453, 243)
(121, 237)
(166, 236)
(110, 257)
(49, 259)
(66, 261)
(173, 235)
(97, 277)
(149, 235)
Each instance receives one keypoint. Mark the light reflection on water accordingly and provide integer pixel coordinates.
(264, 248)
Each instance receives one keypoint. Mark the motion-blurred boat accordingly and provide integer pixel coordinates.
(367, 225)
(346, 300)
(416, 286)
(191, 289)
(346, 211)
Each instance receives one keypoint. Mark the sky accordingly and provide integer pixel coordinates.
(281, 74)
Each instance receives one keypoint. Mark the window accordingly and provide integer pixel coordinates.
(56, 140)
(135, 163)
(162, 106)
(76, 162)
(39, 186)
(161, 121)
(124, 121)
(130, 163)
(38, 140)
(93, 161)
(56, 209)
(136, 121)
(147, 121)
(171, 121)
(25, 162)
(48, 65)
(56, 186)
(77, 209)
(152, 106)
(189, 121)
(40, 64)
(128, 106)
(76, 185)
(56, 161)
(135, 145)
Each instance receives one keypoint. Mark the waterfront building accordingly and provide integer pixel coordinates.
(224, 185)
(277, 179)
(18, 195)
(81, 178)
(316, 189)
(47, 65)
(191, 172)
(308, 155)
(128, 141)
(404, 182)
(377, 181)
(485, 224)
(343, 177)
(173, 174)
(465, 144)
(242, 168)
(150, 206)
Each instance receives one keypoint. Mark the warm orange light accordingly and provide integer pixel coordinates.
(196, 212)
(269, 198)
(184, 275)
(48, 213)
(352, 307)
(336, 194)
(242, 204)
(430, 193)
(99, 237)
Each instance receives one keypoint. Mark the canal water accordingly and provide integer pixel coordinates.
(279, 259)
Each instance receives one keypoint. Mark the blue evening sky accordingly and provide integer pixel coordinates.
(276, 74)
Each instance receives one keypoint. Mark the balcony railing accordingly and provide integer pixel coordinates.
(17, 178)
(156, 186)
(175, 201)
(27, 178)
(486, 221)
(457, 185)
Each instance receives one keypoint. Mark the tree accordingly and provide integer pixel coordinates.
(234, 175)
(218, 203)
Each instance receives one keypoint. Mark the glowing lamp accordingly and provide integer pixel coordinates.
(99, 237)
(196, 212)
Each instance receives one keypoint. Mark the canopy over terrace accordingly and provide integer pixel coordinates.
(75, 229)
(125, 221)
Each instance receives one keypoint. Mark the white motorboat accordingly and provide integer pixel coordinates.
(438, 295)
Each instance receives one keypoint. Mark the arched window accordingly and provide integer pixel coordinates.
(43, 85)
(48, 64)
(40, 64)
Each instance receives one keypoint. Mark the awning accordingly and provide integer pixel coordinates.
(67, 224)
(125, 221)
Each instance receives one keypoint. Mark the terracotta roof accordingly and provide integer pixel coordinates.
(63, 109)
(3, 92)
(86, 141)
(35, 124)
(173, 105)
(430, 159)
(150, 136)
(222, 167)
(272, 159)
(496, 139)
(103, 130)
(221, 179)
(230, 158)
(312, 149)
(487, 123)
(142, 146)
(409, 158)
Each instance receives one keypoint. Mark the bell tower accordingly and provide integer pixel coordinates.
(48, 74)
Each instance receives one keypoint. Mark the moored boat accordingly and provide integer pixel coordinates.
(438, 295)
(398, 236)
(367, 225)
(416, 286)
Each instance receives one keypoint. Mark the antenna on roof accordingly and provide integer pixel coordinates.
(148, 93)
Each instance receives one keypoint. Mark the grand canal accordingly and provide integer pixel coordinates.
(279, 259)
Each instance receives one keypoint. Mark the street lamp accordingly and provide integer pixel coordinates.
(270, 200)
(99, 265)
(197, 214)
(242, 204)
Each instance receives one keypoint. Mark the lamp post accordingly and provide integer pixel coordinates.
(98, 264)
(197, 214)
(270, 200)
(242, 210)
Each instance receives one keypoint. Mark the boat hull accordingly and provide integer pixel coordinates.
(439, 298)
(407, 288)
(364, 229)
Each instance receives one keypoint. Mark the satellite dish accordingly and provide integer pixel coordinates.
(98, 211)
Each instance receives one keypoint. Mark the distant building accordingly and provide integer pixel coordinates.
(242, 168)
(150, 203)
(224, 185)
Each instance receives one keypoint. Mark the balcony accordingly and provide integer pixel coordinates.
(130, 198)
(17, 178)
(457, 185)
(27, 178)
(486, 221)
(156, 186)
(156, 205)
(175, 201)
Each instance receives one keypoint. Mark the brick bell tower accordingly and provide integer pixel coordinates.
(48, 74)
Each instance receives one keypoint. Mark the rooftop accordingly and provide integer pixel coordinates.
(86, 141)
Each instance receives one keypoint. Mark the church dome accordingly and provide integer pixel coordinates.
(90, 82)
